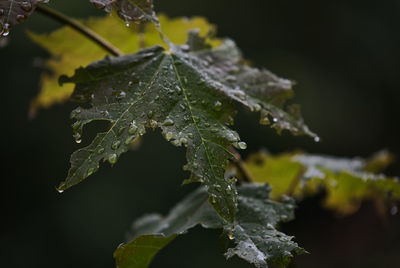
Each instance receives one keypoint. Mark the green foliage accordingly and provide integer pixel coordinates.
(15, 11)
(253, 233)
(189, 90)
(129, 10)
(66, 56)
(347, 182)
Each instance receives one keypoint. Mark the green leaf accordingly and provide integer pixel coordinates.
(254, 234)
(15, 11)
(347, 182)
(189, 94)
(129, 10)
(66, 56)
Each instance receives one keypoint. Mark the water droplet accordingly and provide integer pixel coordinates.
(218, 106)
(168, 122)
(153, 124)
(115, 145)
(150, 114)
(129, 140)
(257, 107)
(100, 150)
(185, 80)
(190, 135)
(228, 190)
(91, 171)
(240, 145)
(230, 235)
(112, 158)
(264, 120)
(99, 5)
(270, 226)
(76, 125)
(133, 128)
(60, 191)
(206, 124)
(21, 18)
(127, 24)
(183, 141)
(213, 199)
(196, 119)
(275, 119)
(77, 137)
(26, 6)
(317, 139)
(169, 136)
(195, 165)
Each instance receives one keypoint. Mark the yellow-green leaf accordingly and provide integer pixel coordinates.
(67, 56)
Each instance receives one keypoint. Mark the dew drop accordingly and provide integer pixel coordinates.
(26, 6)
(190, 135)
(241, 145)
(217, 106)
(231, 237)
(153, 124)
(183, 141)
(150, 114)
(112, 158)
(133, 128)
(100, 150)
(275, 119)
(168, 122)
(60, 191)
(129, 140)
(169, 136)
(257, 107)
(317, 139)
(115, 145)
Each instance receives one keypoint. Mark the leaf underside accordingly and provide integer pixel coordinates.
(15, 11)
(129, 10)
(255, 237)
(347, 182)
(189, 92)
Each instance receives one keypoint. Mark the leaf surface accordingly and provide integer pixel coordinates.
(15, 11)
(188, 92)
(129, 10)
(347, 182)
(254, 235)
(66, 56)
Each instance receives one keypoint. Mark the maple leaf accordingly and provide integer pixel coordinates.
(347, 181)
(15, 11)
(253, 232)
(66, 56)
(189, 92)
(129, 10)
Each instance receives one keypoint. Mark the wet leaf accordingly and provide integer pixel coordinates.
(15, 11)
(186, 91)
(347, 182)
(66, 56)
(254, 231)
(129, 10)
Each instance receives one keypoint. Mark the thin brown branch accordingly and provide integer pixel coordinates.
(80, 28)
(241, 166)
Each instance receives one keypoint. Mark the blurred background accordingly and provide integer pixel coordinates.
(344, 56)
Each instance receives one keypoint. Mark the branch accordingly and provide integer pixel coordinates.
(241, 166)
(80, 28)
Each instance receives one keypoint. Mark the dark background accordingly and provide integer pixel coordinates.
(343, 54)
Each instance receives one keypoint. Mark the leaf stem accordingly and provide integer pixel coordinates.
(296, 180)
(241, 166)
(80, 28)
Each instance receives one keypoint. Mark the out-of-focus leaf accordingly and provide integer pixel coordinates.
(67, 56)
(347, 182)
(15, 11)
(186, 91)
(253, 232)
(129, 10)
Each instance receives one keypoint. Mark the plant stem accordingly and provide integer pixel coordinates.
(80, 28)
(296, 180)
(241, 166)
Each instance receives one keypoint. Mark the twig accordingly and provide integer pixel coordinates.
(296, 180)
(241, 166)
(80, 28)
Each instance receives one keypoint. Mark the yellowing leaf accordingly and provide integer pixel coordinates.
(67, 56)
(347, 182)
